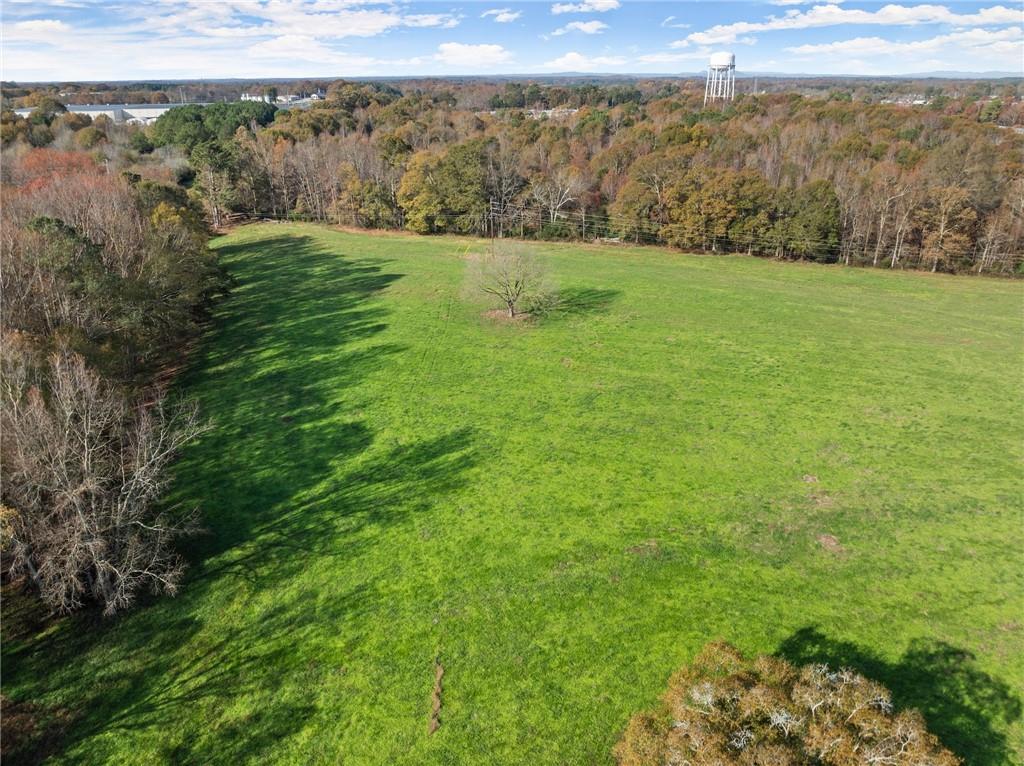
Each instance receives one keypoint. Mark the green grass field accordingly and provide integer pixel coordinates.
(562, 513)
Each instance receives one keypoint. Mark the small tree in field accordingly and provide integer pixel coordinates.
(724, 709)
(510, 273)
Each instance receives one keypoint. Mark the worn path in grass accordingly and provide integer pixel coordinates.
(816, 461)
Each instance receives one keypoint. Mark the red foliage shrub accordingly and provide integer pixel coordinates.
(42, 167)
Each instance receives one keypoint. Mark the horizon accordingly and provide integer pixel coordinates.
(357, 39)
(502, 76)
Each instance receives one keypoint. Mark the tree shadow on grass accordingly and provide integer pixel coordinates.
(276, 380)
(965, 707)
(288, 476)
(387, 490)
(575, 302)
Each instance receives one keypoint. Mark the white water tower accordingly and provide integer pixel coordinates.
(721, 84)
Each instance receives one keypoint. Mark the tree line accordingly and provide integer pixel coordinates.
(780, 175)
(106, 277)
(824, 178)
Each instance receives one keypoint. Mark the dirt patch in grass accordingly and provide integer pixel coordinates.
(435, 698)
(831, 544)
(810, 478)
(822, 500)
(647, 548)
(501, 315)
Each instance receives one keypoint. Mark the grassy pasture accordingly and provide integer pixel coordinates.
(815, 461)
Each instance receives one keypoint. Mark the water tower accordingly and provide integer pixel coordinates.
(721, 84)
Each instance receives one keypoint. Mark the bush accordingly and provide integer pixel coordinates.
(90, 137)
(725, 709)
(140, 142)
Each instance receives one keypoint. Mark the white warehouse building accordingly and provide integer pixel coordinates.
(133, 114)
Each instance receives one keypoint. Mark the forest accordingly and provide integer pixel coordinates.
(106, 277)
(827, 177)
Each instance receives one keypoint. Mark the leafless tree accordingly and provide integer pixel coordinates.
(503, 179)
(314, 164)
(558, 190)
(510, 273)
(83, 471)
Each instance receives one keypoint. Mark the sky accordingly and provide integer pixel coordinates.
(71, 40)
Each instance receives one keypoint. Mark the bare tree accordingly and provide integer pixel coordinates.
(83, 470)
(315, 163)
(558, 190)
(946, 218)
(503, 179)
(508, 272)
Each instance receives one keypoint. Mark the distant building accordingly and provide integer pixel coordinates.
(132, 114)
(551, 114)
(908, 99)
(265, 97)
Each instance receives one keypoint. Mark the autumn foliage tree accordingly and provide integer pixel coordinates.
(726, 709)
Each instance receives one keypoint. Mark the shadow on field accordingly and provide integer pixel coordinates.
(285, 479)
(962, 704)
(299, 335)
(582, 301)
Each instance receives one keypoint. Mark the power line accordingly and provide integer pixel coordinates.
(536, 218)
(655, 230)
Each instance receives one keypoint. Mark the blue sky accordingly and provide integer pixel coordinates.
(153, 39)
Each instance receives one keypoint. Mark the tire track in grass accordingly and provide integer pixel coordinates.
(429, 356)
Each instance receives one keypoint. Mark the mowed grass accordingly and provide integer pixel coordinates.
(562, 513)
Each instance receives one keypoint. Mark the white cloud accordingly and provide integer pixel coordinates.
(577, 62)
(587, 6)
(37, 30)
(977, 41)
(465, 55)
(316, 38)
(502, 15)
(443, 20)
(323, 19)
(200, 38)
(830, 14)
(668, 22)
(966, 49)
(234, 38)
(586, 27)
(21, 7)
